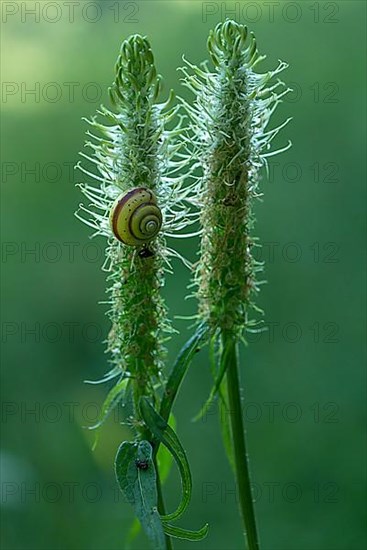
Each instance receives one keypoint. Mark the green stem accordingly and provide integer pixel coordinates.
(239, 443)
(161, 505)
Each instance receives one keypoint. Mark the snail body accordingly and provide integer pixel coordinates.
(135, 217)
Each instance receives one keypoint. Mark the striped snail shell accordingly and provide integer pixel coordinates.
(135, 217)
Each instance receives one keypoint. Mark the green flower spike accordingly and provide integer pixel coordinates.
(135, 150)
(233, 106)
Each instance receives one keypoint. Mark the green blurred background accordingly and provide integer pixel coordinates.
(303, 379)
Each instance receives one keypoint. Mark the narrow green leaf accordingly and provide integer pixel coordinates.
(136, 476)
(223, 405)
(180, 533)
(216, 386)
(113, 397)
(180, 368)
(164, 434)
(224, 422)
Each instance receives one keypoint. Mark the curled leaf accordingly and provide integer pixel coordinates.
(164, 434)
(180, 533)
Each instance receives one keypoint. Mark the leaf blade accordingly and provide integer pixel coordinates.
(139, 486)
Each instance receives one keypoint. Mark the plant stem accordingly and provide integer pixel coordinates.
(239, 444)
(161, 506)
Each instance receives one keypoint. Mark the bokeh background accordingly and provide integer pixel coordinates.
(303, 379)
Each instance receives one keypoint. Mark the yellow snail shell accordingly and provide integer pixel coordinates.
(135, 217)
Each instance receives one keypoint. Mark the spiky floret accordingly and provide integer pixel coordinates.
(230, 115)
(135, 149)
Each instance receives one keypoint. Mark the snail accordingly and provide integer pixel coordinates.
(135, 217)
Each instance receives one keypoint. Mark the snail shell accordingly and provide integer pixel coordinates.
(135, 217)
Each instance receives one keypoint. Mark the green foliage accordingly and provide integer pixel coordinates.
(163, 433)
